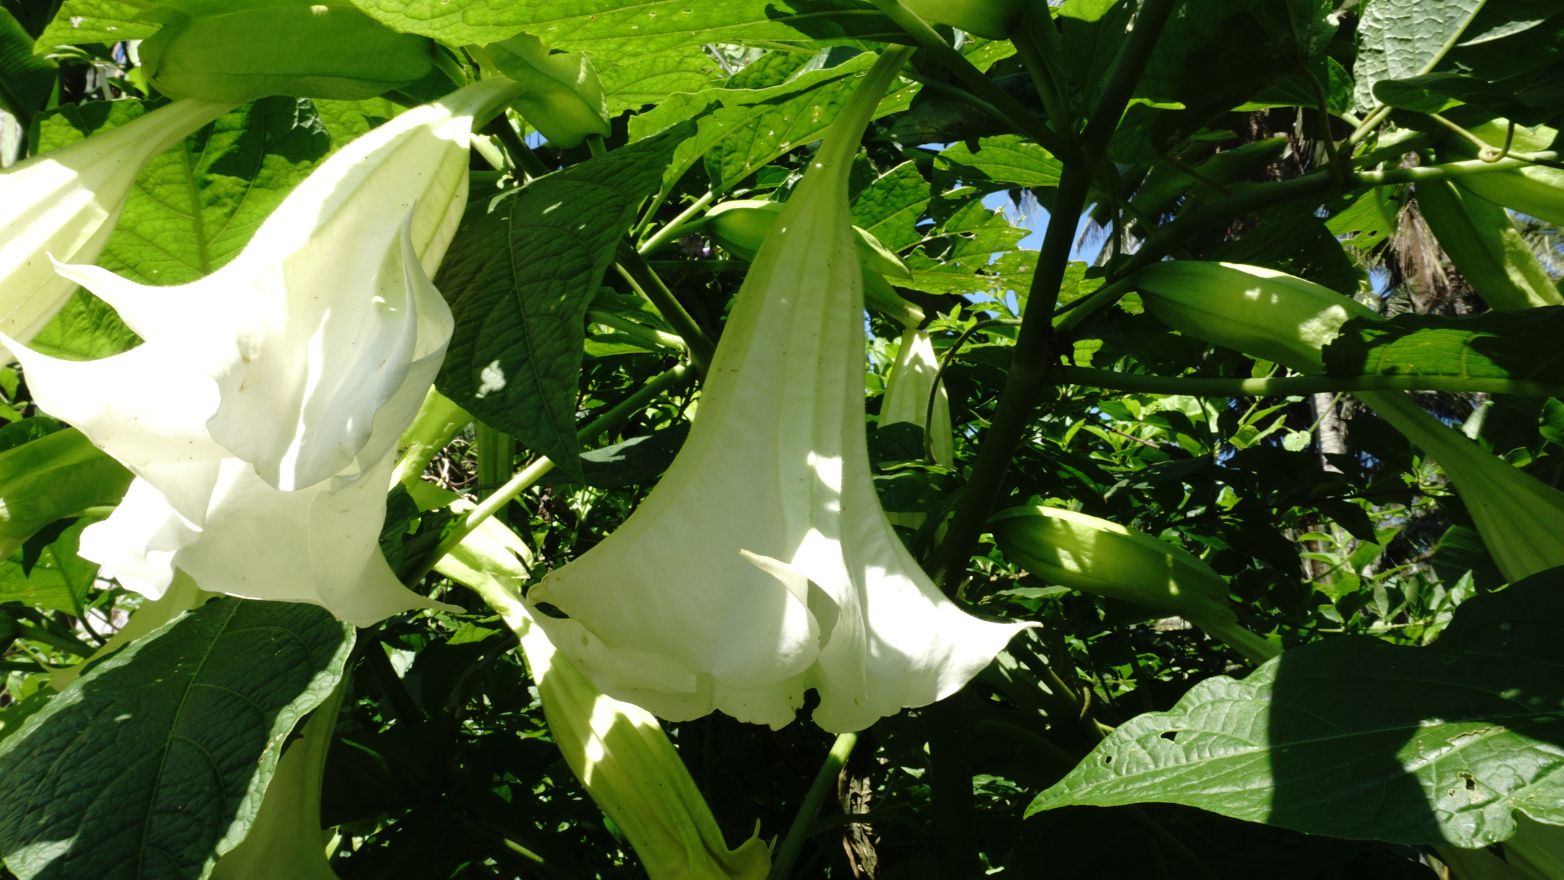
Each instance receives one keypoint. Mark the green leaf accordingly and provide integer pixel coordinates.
(739, 141)
(153, 763)
(1295, 242)
(193, 207)
(890, 207)
(50, 478)
(1352, 737)
(25, 80)
(1000, 162)
(959, 255)
(1518, 351)
(1551, 421)
(644, 50)
(57, 580)
(1398, 39)
(520, 277)
(83, 22)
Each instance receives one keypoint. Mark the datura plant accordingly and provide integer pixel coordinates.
(264, 405)
(1288, 320)
(616, 749)
(762, 564)
(62, 206)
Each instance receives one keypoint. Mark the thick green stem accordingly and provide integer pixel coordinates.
(820, 788)
(1024, 383)
(642, 332)
(677, 224)
(633, 268)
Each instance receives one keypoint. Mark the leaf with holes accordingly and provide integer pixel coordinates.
(1352, 737)
(520, 278)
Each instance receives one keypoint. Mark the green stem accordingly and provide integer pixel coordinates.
(527, 161)
(1286, 386)
(640, 331)
(639, 275)
(821, 787)
(1024, 384)
(525, 478)
(677, 224)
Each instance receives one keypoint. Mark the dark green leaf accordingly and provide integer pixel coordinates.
(520, 277)
(890, 207)
(633, 461)
(1352, 737)
(1295, 242)
(1404, 38)
(25, 80)
(154, 762)
(1551, 422)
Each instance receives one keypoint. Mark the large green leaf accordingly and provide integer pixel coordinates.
(739, 131)
(154, 762)
(81, 22)
(520, 277)
(642, 50)
(1352, 737)
(999, 163)
(1515, 351)
(195, 206)
(1405, 38)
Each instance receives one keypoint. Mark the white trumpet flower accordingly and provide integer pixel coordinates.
(63, 205)
(261, 413)
(762, 564)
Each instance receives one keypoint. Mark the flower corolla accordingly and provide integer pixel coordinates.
(63, 205)
(261, 413)
(762, 565)
(618, 750)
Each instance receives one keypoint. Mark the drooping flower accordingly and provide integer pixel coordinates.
(762, 564)
(63, 205)
(618, 750)
(261, 412)
(914, 395)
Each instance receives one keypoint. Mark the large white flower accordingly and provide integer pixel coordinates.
(63, 205)
(261, 412)
(762, 564)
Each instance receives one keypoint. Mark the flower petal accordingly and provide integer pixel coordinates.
(63, 204)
